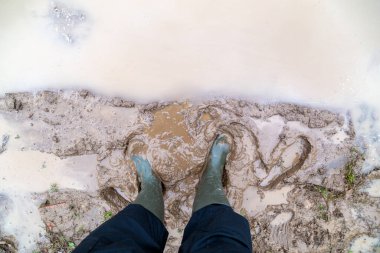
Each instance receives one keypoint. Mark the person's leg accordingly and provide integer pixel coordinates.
(214, 226)
(210, 188)
(138, 227)
(150, 196)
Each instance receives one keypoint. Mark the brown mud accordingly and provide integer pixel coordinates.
(287, 172)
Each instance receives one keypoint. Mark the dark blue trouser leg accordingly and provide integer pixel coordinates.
(216, 228)
(134, 229)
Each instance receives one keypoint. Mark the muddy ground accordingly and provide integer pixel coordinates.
(294, 171)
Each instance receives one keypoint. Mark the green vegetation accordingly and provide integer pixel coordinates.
(349, 173)
(355, 157)
(350, 177)
(107, 215)
(323, 212)
(243, 212)
(323, 207)
(58, 243)
(324, 192)
(54, 187)
(17, 136)
(71, 245)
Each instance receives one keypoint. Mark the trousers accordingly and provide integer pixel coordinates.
(214, 228)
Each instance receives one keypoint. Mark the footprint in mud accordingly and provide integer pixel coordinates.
(178, 138)
(287, 158)
(252, 161)
(280, 229)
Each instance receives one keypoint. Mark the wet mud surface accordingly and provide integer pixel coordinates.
(290, 172)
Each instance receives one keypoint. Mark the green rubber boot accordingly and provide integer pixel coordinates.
(210, 188)
(150, 196)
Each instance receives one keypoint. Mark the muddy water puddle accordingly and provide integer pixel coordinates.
(255, 201)
(170, 122)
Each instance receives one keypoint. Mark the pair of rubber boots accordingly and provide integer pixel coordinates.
(209, 190)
